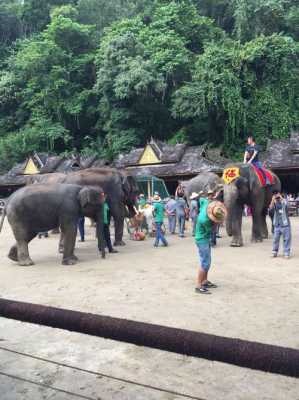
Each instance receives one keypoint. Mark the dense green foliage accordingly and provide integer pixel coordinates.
(102, 77)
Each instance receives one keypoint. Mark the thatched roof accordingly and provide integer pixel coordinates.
(174, 160)
(282, 153)
(44, 163)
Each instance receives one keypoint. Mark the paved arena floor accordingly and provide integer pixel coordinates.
(257, 299)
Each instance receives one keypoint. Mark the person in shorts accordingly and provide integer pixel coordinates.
(209, 213)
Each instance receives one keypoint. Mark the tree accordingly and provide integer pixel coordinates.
(243, 89)
(46, 94)
(140, 63)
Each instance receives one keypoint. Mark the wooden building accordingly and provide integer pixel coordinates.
(282, 156)
(42, 164)
(172, 163)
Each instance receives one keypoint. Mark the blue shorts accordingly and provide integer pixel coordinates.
(204, 250)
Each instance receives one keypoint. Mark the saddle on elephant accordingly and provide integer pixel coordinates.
(264, 175)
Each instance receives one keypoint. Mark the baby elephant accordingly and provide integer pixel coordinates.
(40, 208)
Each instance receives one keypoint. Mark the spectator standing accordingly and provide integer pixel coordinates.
(213, 212)
(171, 214)
(181, 207)
(81, 227)
(106, 226)
(159, 219)
(282, 225)
(194, 210)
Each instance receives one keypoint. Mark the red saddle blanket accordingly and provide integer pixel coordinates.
(264, 175)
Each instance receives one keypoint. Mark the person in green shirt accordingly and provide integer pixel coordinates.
(158, 211)
(203, 231)
(106, 226)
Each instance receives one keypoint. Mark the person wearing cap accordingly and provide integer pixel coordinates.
(171, 214)
(209, 212)
(194, 210)
(158, 211)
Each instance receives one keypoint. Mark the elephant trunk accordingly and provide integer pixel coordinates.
(230, 197)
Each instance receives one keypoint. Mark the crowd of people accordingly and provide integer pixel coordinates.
(206, 215)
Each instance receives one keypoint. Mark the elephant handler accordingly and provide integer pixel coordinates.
(106, 226)
(282, 225)
(209, 213)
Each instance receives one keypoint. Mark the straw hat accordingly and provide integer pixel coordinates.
(194, 195)
(217, 212)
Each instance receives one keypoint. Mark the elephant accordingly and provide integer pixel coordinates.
(246, 189)
(203, 182)
(42, 207)
(121, 189)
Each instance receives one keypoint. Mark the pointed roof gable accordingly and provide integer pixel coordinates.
(149, 156)
(30, 167)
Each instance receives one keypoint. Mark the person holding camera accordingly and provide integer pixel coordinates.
(282, 225)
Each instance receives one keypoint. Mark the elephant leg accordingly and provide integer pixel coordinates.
(24, 259)
(69, 233)
(13, 253)
(119, 229)
(257, 223)
(236, 226)
(19, 251)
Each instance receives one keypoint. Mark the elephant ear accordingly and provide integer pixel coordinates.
(90, 196)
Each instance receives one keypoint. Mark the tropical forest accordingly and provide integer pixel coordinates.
(101, 77)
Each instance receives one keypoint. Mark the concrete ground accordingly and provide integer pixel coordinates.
(257, 299)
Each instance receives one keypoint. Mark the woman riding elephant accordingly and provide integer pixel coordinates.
(121, 189)
(242, 187)
(38, 208)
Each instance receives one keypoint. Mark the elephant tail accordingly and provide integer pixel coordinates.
(2, 219)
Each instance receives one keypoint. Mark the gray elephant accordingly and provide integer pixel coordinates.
(203, 182)
(40, 208)
(121, 189)
(245, 188)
